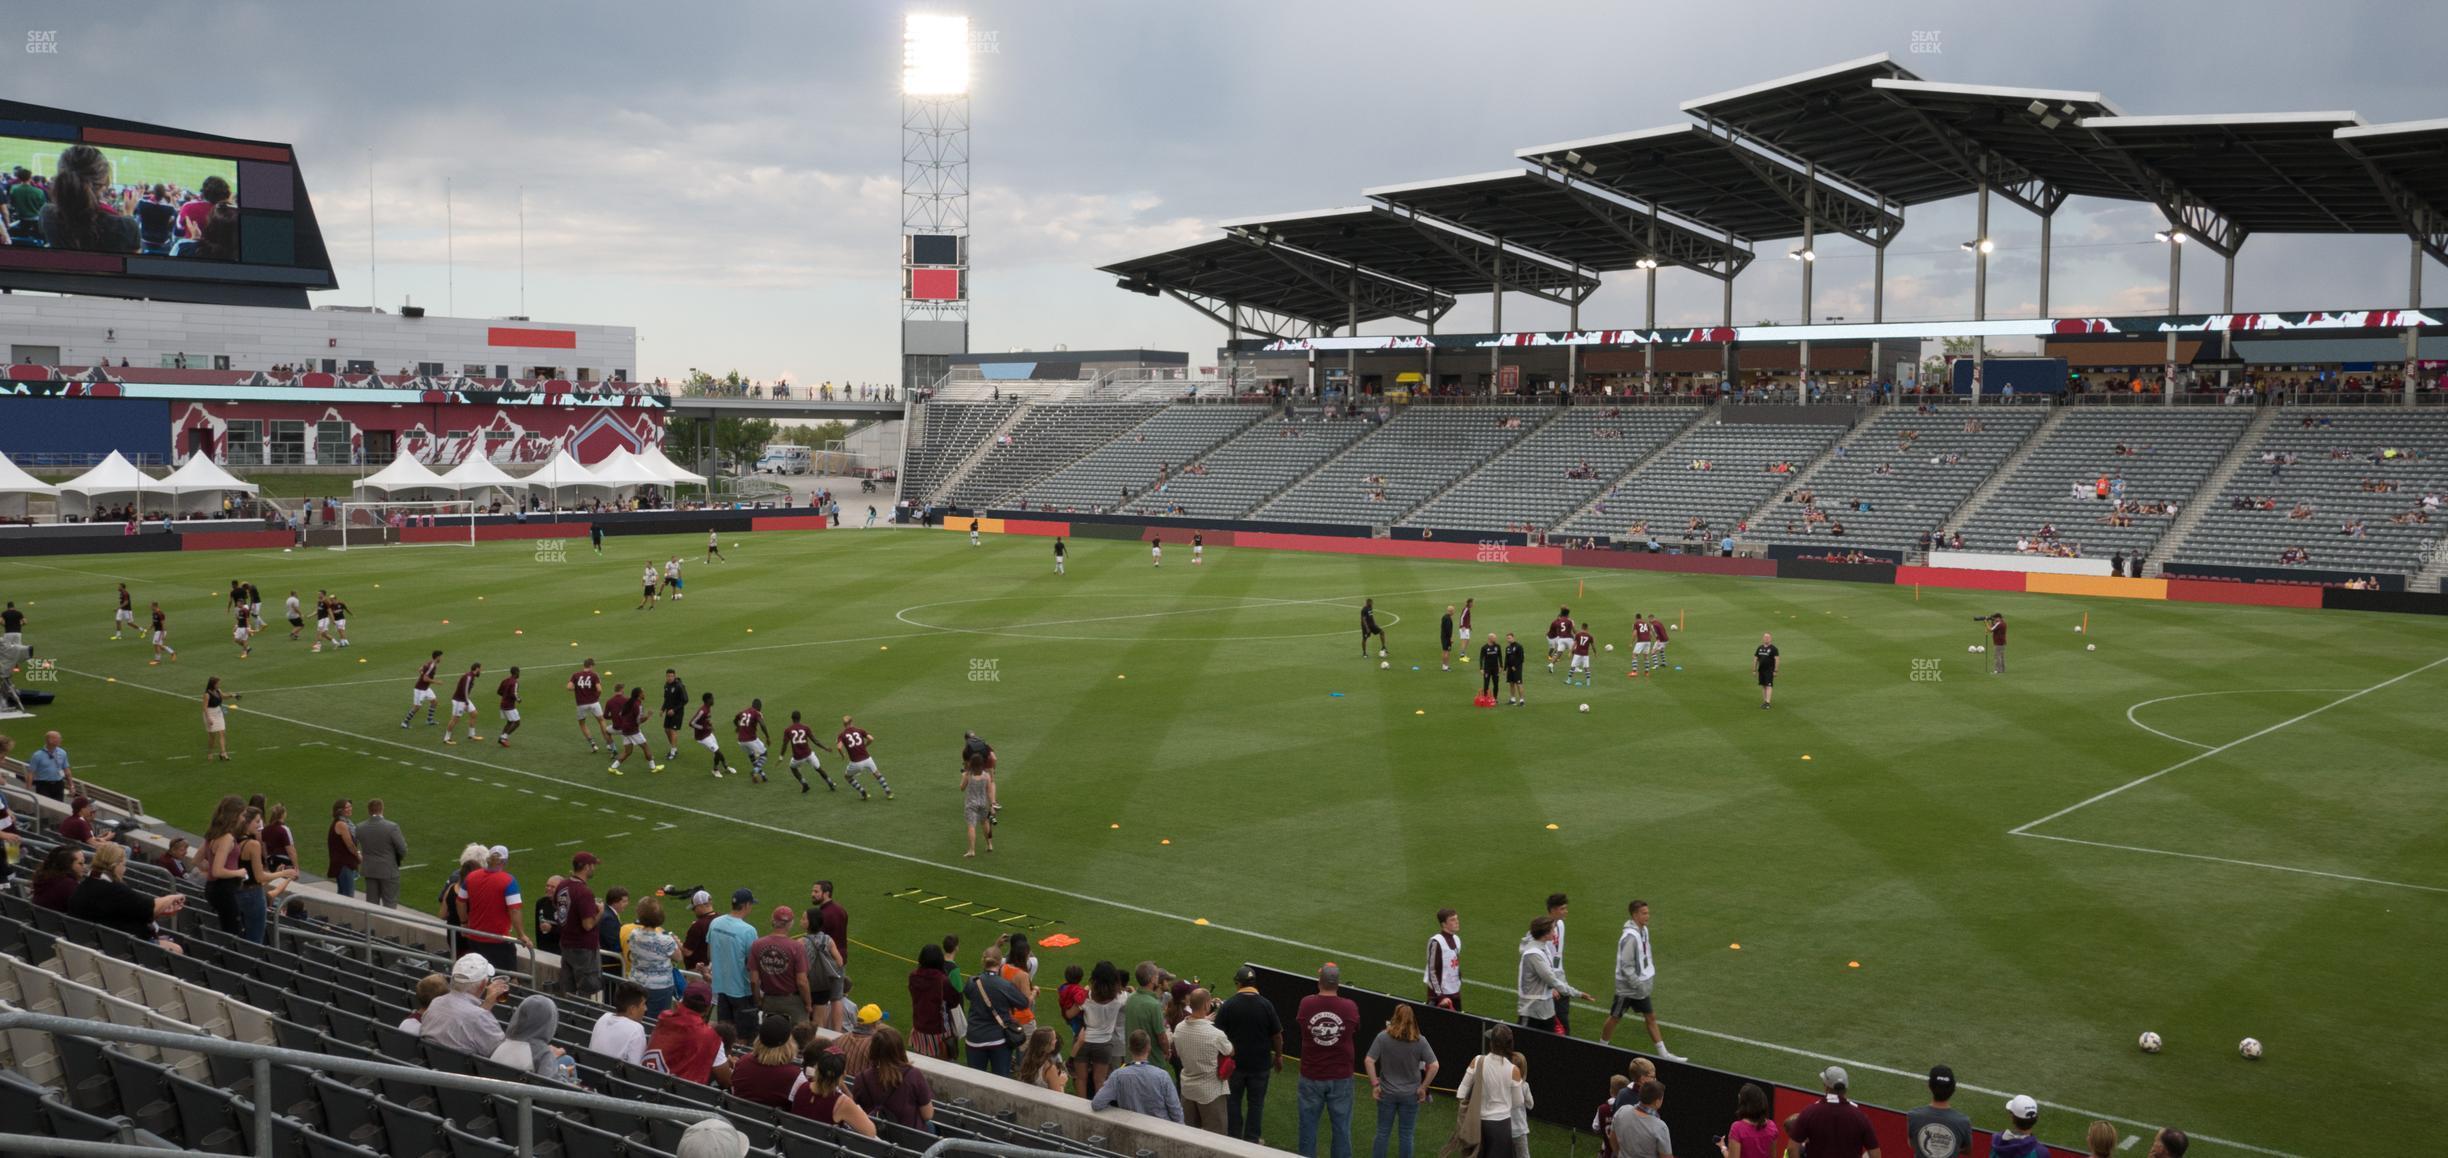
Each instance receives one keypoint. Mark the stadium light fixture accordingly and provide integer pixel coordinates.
(1645, 263)
(2168, 236)
(1802, 255)
(1979, 245)
(934, 55)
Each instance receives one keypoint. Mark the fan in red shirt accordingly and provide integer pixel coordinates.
(508, 691)
(1559, 635)
(423, 695)
(626, 715)
(463, 703)
(683, 1045)
(587, 686)
(701, 729)
(803, 744)
(749, 728)
(1327, 1022)
(853, 741)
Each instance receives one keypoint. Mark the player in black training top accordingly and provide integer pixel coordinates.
(1491, 658)
(1513, 659)
(1766, 655)
(1445, 639)
(675, 711)
(1368, 627)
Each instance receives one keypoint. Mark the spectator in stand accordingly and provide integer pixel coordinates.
(56, 879)
(1939, 1130)
(651, 951)
(1202, 1049)
(1834, 1127)
(621, 1031)
(892, 1088)
(1041, 1061)
(341, 855)
(684, 1046)
(2017, 1139)
(1097, 1049)
(220, 239)
(279, 845)
(770, 1070)
(931, 997)
(2100, 1140)
(49, 766)
(1144, 1088)
(488, 902)
(1400, 1068)
(1250, 1022)
(611, 932)
(693, 943)
(835, 921)
(261, 883)
(173, 860)
(1328, 1023)
(1636, 1130)
(778, 965)
(1754, 1132)
(78, 826)
(428, 987)
(453, 912)
(821, 1098)
(104, 898)
(993, 1002)
(1145, 1010)
(527, 1043)
(1486, 1095)
(2170, 1143)
(575, 917)
(156, 219)
(81, 214)
(462, 1019)
(728, 939)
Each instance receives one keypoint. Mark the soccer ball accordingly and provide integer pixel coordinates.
(1610, 647)
(1383, 665)
(2090, 647)
(2150, 1042)
(2251, 1048)
(1585, 707)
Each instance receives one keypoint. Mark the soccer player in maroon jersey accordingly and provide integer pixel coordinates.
(463, 703)
(423, 694)
(161, 639)
(853, 741)
(1559, 636)
(587, 685)
(508, 691)
(803, 744)
(125, 616)
(749, 728)
(1657, 644)
(1580, 671)
(1640, 644)
(701, 728)
(627, 714)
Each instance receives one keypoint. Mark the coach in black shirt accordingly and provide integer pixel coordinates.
(1513, 660)
(675, 710)
(1491, 657)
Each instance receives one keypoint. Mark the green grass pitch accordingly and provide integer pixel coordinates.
(2273, 865)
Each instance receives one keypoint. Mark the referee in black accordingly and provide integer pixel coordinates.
(1491, 657)
(1445, 634)
(675, 710)
(1368, 627)
(1513, 660)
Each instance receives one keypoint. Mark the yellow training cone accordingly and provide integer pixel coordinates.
(1167, 840)
(1113, 826)
(1551, 828)
(1806, 755)
(1199, 921)
(1852, 964)
(1419, 711)
(1735, 945)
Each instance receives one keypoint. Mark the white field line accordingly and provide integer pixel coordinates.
(2198, 757)
(2242, 863)
(1322, 951)
(2129, 712)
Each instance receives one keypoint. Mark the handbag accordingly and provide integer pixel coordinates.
(956, 1015)
(1012, 1034)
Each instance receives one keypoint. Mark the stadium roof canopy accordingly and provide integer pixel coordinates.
(1832, 119)
(1430, 253)
(2410, 160)
(2035, 130)
(2260, 172)
(1570, 221)
(1238, 280)
(1706, 178)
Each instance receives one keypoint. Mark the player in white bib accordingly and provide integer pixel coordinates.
(714, 547)
(297, 616)
(1443, 977)
(671, 577)
(648, 589)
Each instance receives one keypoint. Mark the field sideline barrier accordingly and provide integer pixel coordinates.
(2028, 563)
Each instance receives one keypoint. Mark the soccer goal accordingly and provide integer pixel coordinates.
(445, 522)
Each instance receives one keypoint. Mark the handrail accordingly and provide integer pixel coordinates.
(267, 1056)
(982, 1146)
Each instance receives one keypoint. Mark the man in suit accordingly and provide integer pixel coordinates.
(379, 841)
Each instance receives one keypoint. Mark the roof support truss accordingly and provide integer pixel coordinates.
(1375, 293)
(1718, 259)
(2426, 223)
(1250, 320)
(1516, 272)
(1977, 162)
(1872, 226)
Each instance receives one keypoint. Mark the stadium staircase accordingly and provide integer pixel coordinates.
(1311, 473)
(950, 483)
(2006, 469)
(1859, 437)
(2206, 499)
(2434, 575)
(1706, 419)
(1491, 464)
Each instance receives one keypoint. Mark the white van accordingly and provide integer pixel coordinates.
(786, 458)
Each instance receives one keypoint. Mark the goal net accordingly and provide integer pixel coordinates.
(445, 522)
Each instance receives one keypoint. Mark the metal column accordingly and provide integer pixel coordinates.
(1649, 346)
(1980, 285)
(2413, 336)
(1351, 355)
(2175, 244)
(1810, 257)
(1495, 323)
(1728, 374)
(1572, 354)
(2045, 222)
(1878, 312)
(2226, 337)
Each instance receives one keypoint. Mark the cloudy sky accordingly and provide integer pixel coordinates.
(724, 176)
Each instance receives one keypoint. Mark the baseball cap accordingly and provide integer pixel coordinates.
(499, 852)
(1832, 1077)
(471, 968)
(700, 899)
(699, 994)
(79, 801)
(1330, 974)
(2022, 1108)
(782, 915)
(1244, 977)
(1942, 1081)
(580, 862)
(870, 1014)
(712, 1138)
(742, 897)
(1181, 990)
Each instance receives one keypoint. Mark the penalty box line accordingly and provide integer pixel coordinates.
(1325, 952)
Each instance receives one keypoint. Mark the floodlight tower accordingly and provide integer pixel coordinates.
(934, 195)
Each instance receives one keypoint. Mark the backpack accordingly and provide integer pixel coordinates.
(824, 973)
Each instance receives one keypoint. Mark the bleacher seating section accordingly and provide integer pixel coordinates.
(1670, 491)
(1532, 483)
(1886, 489)
(2172, 452)
(340, 1007)
(2336, 453)
(952, 430)
(1245, 470)
(1106, 477)
(1409, 458)
(1046, 439)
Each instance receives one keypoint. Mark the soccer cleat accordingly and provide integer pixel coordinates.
(449, 741)
(888, 794)
(674, 754)
(403, 724)
(475, 737)
(504, 741)
(805, 787)
(614, 769)
(653, 767)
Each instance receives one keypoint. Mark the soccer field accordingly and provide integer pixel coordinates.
(2222, 822)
